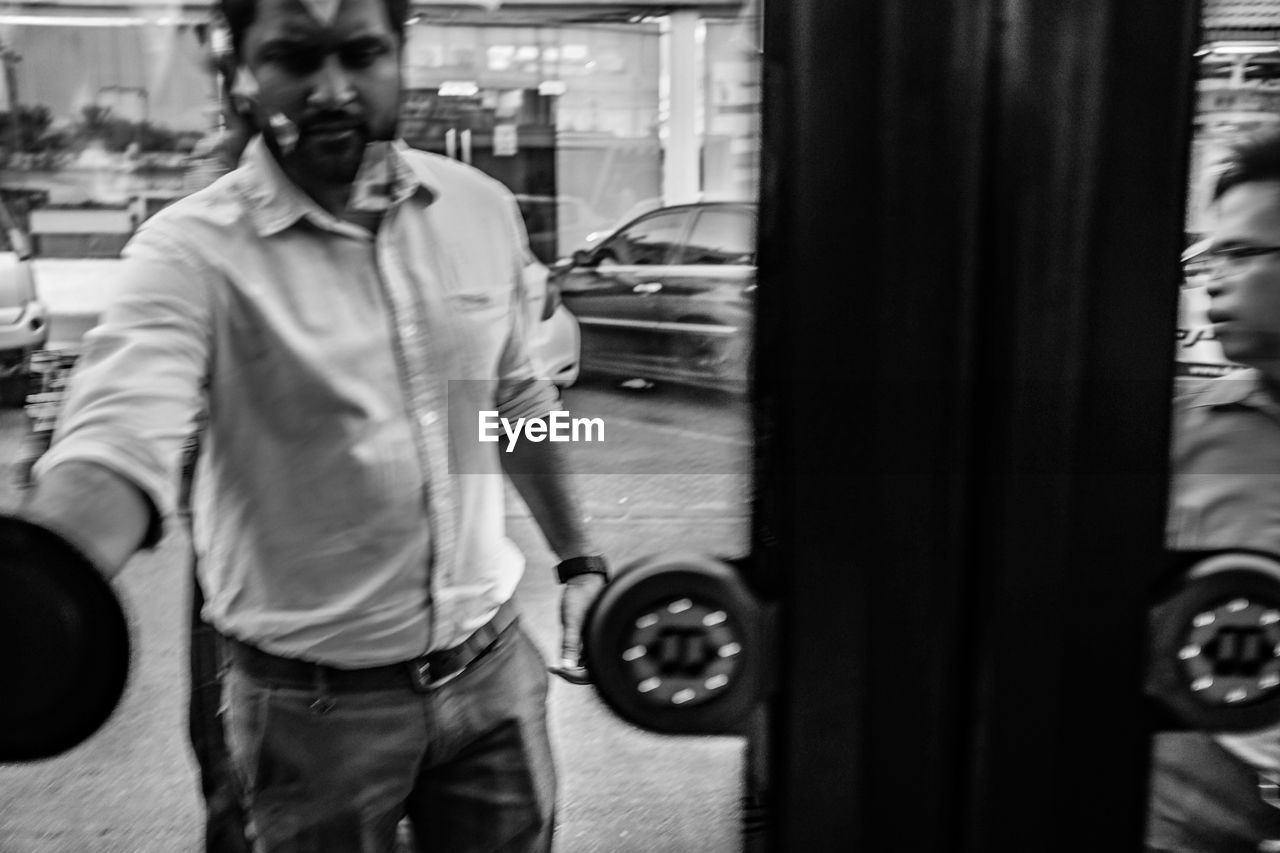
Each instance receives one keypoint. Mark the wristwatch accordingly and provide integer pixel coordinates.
(574, 566)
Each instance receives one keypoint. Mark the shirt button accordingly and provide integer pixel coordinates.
(429, 419)
(408, 330)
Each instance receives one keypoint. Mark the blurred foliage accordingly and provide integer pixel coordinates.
(116, 134)
(29, 130)
(27, 127)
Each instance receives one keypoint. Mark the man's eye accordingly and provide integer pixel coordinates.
(362, 55)
(294, 60)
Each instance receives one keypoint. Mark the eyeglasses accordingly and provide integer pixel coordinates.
(1234, 257)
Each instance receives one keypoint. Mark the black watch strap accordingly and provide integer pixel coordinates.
(574, 566)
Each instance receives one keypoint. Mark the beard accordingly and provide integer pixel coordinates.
(329, 149)
(323, 148)
(329, 155)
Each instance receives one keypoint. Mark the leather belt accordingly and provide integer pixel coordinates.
(421, 673)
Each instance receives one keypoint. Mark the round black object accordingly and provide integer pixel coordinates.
(1206, 682)
(65, 642)
(675, 644)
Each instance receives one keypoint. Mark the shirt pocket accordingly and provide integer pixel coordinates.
(481, 323)
(475, 302)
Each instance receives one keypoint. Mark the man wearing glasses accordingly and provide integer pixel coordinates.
(1220, 793)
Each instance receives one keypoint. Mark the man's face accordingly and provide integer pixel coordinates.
(1244, 289)
(338, 81)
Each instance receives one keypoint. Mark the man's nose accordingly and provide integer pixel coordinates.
(331, 85)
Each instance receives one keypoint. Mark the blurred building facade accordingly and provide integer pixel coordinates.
(586, 110)
(1238, 89)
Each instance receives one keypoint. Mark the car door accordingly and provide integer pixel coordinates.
(707, 298)
(613, 290)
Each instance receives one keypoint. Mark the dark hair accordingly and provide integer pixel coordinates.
(238, 15)
(1256, 157)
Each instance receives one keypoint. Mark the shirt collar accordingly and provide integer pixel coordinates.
(275, 203)
(1241, 387)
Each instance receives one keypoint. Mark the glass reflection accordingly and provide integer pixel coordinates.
(631, 144)
(1214, 789)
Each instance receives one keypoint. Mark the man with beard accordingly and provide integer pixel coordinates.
(331, 316)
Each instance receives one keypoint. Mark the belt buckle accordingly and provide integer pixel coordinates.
(420, 674)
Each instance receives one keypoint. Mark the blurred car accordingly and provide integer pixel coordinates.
(24, 323)
(669, 295)
(553, 332)
(557, 225)
(633, 212)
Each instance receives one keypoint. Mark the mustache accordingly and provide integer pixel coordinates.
(331, 120)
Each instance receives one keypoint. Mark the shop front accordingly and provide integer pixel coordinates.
(586, 111)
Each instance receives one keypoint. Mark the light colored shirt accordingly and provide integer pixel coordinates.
(340, 372)
(1226, 490)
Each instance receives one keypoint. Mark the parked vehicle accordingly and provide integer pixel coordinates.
(553, 332)
(557, 225)
(24, 325)
(633, 212)
(669, 295)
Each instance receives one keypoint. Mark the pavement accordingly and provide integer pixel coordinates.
(132, 787)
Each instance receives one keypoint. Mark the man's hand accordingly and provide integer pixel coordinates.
(579, 592)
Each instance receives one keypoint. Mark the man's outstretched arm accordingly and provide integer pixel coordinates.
(101, 513)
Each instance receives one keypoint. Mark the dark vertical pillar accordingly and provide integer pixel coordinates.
(971, 219)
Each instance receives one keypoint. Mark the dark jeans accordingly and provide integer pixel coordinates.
(225, 822)
(1204, 799)
(224, 817)
(469, 761)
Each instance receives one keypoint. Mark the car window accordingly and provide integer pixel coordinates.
(652, 240)
(536, 215)
(568, 212)
(721, 236)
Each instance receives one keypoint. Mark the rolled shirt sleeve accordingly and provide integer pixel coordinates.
(532, 398)
(520, 393)
(136, 391)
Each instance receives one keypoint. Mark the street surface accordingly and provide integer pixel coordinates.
(674, 478)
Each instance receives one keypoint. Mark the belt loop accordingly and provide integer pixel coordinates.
(323, 702)
(222, 652)
(1269, 788)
